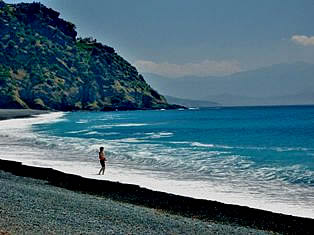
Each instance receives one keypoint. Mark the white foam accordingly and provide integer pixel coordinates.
(288, 149)
(19, 123)
(232, 189)
(82, 121)
(107, 126)
(180, 142)
(76, 132)
(196, 189)
(130, 140)
(158, 135)
(197, 144)
(130, 124)
(92, 133)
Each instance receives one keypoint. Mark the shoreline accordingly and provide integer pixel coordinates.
(6, 114)
(201, 209)
(204, 210)
(31, 206)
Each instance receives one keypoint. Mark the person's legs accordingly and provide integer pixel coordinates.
(102, 163)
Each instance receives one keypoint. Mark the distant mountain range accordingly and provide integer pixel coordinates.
(281, 84)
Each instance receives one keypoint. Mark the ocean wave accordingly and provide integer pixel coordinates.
(179, 142)
(92, 133)
(130, 124)
(76, 132)
(197, 144)
(183, 160)
(82, 121)
(261, 148)
(237, 173)
(158, 135)
(106, 126)
(22, 123)
(130, 140)
(288, 149)
(111, 133)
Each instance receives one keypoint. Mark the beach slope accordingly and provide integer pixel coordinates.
(29, 206)
(91, 206)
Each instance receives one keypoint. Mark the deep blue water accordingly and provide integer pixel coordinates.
(274, 142)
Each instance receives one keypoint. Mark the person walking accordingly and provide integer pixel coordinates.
(102, 159)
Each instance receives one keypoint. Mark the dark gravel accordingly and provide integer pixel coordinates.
(30, 206)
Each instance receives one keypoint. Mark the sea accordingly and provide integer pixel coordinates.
(260, 157)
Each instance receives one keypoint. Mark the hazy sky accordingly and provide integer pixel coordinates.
(196, 37)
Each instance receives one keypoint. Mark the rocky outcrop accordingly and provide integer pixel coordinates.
(43, 65)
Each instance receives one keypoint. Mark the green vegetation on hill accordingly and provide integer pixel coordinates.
(43, 65)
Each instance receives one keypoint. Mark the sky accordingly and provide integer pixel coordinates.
(176, 38)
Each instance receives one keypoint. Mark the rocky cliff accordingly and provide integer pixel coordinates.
(43, 65)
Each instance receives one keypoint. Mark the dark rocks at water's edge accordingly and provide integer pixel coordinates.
(189, 207)
(43, 65)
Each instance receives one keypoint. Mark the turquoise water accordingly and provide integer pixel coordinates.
(204, 142)
(257, 154)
